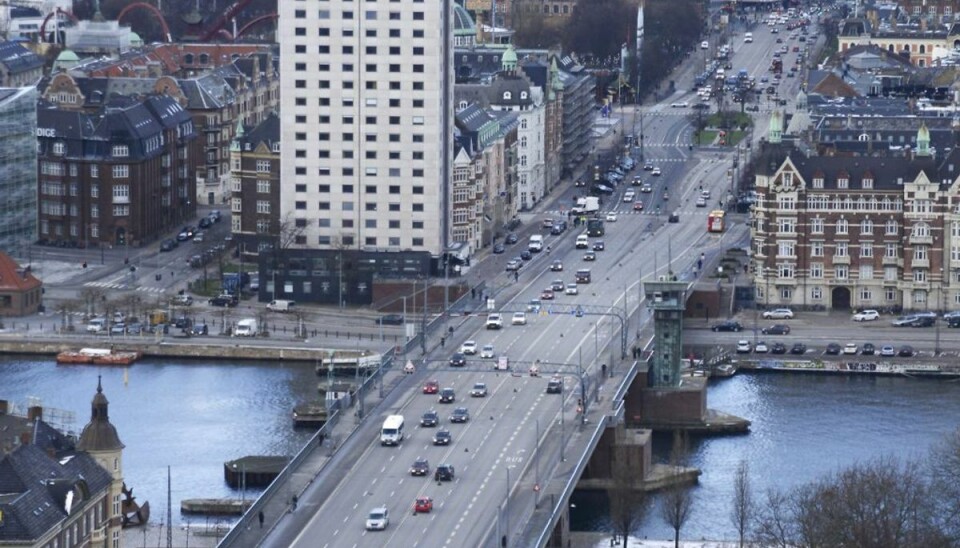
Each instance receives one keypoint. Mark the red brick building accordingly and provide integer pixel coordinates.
(20, 292)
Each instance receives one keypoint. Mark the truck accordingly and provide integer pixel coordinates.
(247, 327)
(536, 243)
(587, 204)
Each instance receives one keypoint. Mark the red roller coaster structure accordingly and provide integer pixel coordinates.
(43, 26)
(151, 9)
(256, 21)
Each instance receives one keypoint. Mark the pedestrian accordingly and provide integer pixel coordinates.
(603, 369)
(443, 342)
(293, 503)
(260, 517)
(473, 293)
(516, 276)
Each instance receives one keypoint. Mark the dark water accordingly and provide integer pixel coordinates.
(803, 427)
(195, 415)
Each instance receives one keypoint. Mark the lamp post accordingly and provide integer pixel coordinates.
(936, 347)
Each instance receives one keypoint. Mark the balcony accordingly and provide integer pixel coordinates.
(920, 263)
(841, 259)
(892, 261)
(928, 239)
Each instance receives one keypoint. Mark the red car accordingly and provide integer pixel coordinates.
(431, 387)
(546, 295)
(423, 505)
(638, 206)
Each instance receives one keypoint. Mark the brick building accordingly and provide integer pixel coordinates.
(20, 292)
(255, 189)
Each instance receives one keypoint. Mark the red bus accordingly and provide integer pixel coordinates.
(716, 221)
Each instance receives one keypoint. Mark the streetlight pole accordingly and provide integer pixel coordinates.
(536, 467)
(936, 349)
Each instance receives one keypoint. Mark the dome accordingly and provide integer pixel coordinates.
(463, 24)
(135, 40)
(99, 434)
(67, 56)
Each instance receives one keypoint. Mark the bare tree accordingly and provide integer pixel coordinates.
(677, 500)
(743, 507)
(628, 500)
(91, 297)
(775, 525)
(944, 468)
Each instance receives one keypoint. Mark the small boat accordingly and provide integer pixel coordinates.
(98, 356)
(724, 370)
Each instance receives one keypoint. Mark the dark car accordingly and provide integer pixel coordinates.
(444, 472)
(599, 245)
(512, 238)
(421, 467)
(924, 321)
(868, 349)
(834, 349)
(134, 328)
(447, 395)
(498, 249)
(526, 255)
(390, 319)
(778, 348)
(182, 322)
(223, 300)
(442, 437)
(205, 222)
(776, 329)
(728, 325)
(460, 414)
(905, 351)
(674, 217)
(199, 330)
(558, 227)
(590, 256)
(953, 322)
(798, 348)
(555, 385)
(458, 360)
(168, 245)
(430, 418)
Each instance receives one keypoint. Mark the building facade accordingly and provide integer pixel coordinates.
(21, 293)
(255, 201)
(367, 132)
(121, 176)
(18, 168)
(19, 66)
(857, 232)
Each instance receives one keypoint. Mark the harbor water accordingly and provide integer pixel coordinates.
(194, 416)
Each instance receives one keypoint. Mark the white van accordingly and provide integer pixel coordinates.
(583, 242)
(392, 431)
(97, 325)
(246, 328)
(536, 243)
(281, 305)
(748, 38)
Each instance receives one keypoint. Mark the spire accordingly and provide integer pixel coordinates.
(775, 130)
(508, 62)
(923, 140)
(97, 16)
(99, 434)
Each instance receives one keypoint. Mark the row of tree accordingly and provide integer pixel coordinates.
(883, 503)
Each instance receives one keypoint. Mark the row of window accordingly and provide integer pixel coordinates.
(367, 189)
(368, 15)
(348, 102)
(349, 33)
(349, 206)
(370, 85)
(788, 225)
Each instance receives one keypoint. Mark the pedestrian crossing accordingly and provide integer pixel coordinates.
(124, 286)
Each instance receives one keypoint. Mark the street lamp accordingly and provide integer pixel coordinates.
(936, 348)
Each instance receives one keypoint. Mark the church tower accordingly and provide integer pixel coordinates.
(99, 439)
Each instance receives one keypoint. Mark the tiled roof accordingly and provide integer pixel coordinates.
(13, 277)
(266, 132)
(17, 58)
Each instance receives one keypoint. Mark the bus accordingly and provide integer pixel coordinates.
(715, 221)
(595, 228)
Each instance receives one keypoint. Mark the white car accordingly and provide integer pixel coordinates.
(866, 316)
(611, 217)
(486, 351)
(468, 347)
(479, 390)
(571, 289)
(655, 172)
(494, 321)
(761, 348)
(682, 104)
(778, 314)
(519, 318)
(378, 519)
(705, 194)
(743, 347)
(646, 188)
(629, 196)
(701, 202)
(851, 348)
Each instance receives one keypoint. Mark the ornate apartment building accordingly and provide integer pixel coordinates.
(854, 232)
(255, 188)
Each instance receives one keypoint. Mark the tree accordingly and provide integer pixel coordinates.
(599, 28)
(677, 501)
(743, 507)
(943, 466)
(628, 500)
(775, 526)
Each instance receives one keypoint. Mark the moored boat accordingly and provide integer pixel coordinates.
(98, 356)
(68, 358)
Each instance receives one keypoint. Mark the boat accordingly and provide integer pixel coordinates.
(98, 356)
(724, 370)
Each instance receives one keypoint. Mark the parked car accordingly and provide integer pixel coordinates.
(728, 325)
(798, 348)
(168, 245)
(511, 238)
(776, 329)
(498, 249)
(851, 349)
(833, 349)
(743, 347)
(225, 300)
(390, 319)
(888, 351)
(199, 329)
(761, 348)
(905, 351)
(924, 321)
(778, 314)
(868, 349)
(778, 348)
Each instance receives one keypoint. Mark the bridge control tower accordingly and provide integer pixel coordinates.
(667, 298)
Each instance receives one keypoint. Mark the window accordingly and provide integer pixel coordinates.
(263, 166)
(841, 272)
(919, 275)
(921, 230)
(121, 210)
(866, 294)
(816, 293)
(263, 206)
(866, 250)
(121, 194)
(787, 203)
(867, 184)
(816, 270)
(816, 225)
(920, 253)
(866, 272)
(842, 226)
(922, 206)
(891, 251)
(785, 249)
(785, 270)
(866, 227)
(121, 171)
(919, 297)
(843, 183)
(892, 228)
(817, 182)
(816, 249)
(841, 249)
(787, 225)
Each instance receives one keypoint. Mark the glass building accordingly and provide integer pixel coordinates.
(18, 169)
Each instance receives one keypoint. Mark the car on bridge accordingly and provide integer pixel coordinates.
(487, 351)
(460, 415)
(431, 387)
(442, 437)
(555, 385)
(556, 266)
(514, 264)
(444, 472)
(599, 245)
(556, 285)
(547, 294)
(421, 467)
(423, 505)
(611, 217)
(378, 519)
(571, 289)
(494, 321)
(447, 395)
(590, 256)
(429, 418)
(468, 347)
(458, 360)
(479, 390)
(519, 318)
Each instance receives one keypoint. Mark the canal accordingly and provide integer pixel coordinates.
(194, 416)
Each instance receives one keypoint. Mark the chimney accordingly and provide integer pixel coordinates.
(4, 407)
(24, 438)
(35, 413)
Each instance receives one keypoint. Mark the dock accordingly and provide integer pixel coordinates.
(310, 415)
(215, 507)
(253, 470)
